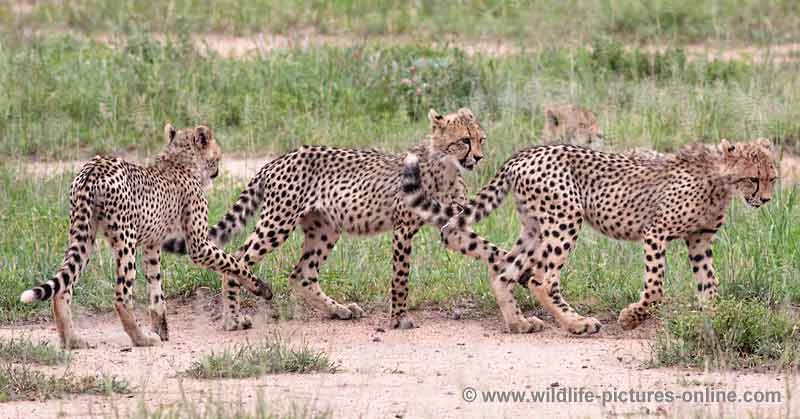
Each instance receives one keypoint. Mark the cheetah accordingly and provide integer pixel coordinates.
(330, 191)
(570, 124)
(650, 198)
(141, 206)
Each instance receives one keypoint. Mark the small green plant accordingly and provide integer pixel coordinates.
(21, 382)
(214, 409)
(272, 356)
(737, 333)
(23, 350)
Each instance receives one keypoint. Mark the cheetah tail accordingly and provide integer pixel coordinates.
(234, 220)
(430, 210)
(81, 240)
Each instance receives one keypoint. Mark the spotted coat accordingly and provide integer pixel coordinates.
(330, 191)
(649, 198)
(136, 206)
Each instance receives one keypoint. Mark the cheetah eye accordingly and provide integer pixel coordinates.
(465, 140)
(753, 179)
(772, 179)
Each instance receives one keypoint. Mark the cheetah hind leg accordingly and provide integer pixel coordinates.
(320, 238)
(63, 317)
(512, 315)
(233, 319)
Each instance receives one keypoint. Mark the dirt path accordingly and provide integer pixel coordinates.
(260, 44)
(236, 168)
(417, 373)
(240, 169)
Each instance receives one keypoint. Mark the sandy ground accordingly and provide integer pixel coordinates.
(242, 169)
(261, 44)
(236, 168)
(423, 372)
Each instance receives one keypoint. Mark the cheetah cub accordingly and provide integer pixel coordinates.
(570, 124)
(137, 206)
(650, 198)
(330, 191)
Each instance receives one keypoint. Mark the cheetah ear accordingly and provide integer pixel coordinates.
(765, 143)
(726, 146)
(437, 121)
(169, 133)
(466, 113)
(550, 117)
(202, 136)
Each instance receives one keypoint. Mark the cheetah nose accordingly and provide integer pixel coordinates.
(765, 200)
(477, 159)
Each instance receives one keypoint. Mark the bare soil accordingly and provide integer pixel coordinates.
(390, 373)
(243, 169)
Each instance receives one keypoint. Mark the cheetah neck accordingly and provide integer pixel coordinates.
(179, 161)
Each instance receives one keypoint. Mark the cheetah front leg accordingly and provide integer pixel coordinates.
(655, 248)
(701, 258)
(158, 306)
(320, 238)
(401, 263)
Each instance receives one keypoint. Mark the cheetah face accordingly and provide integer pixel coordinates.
(199, 145)
(572, 125)
(458, 136)
(752, 169)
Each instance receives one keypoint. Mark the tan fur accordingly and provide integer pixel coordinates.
(137, 206)
(570, 124)
(330, 191)
(650, 198)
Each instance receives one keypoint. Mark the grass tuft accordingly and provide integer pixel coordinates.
(273, 356)
(738, 333)
(21, 382)
(23, 350)
(215, 409)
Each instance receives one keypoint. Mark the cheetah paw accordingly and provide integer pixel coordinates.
(76, 343)
(357, 311)
(584, 326)
(240, 322)
(149, 339)
(526, 325)
(350, 312)
(402, 323)
(631, 317)
(159, 326)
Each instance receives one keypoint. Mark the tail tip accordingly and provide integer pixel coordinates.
(28, 296)
(411, 159)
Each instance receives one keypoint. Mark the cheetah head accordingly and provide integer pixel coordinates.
(458, 136)
(196, 147)
(750, 167)
(572, 125)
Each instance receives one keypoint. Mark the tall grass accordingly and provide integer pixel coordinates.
(65, 98)
(68, 98)
(540, 22)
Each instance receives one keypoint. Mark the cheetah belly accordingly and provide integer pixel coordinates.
(157, 215)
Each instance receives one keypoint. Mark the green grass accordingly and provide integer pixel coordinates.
(78, 98)
(21, 382)
(66, 98)
(214, 409)
(540, 22)
(23, 350)
(272, 356)
(740, 333)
